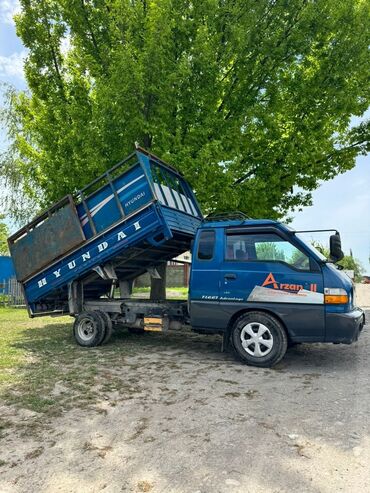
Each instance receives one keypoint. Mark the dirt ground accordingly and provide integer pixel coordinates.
(175, 414)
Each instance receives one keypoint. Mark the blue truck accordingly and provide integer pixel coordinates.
(255, 282)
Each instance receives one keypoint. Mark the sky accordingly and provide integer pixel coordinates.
(342, 203)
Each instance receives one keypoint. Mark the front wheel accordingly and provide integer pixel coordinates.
(259, 339)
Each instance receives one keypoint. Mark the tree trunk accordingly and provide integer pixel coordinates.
(125, 288)
(158, 286)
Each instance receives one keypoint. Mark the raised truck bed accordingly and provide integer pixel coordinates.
(137, 215)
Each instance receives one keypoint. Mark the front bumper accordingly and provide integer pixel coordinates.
(344, 328)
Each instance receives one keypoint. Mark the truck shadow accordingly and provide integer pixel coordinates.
(56, 342)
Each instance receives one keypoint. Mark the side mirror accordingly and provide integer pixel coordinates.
(336, 253)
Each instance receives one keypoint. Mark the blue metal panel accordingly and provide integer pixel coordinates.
(99, 250)
(134, 188)
(179, 221)
(133, 192)
(204, 293)
(103, 209)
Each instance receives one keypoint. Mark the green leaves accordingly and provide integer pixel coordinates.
(4, 233)
(348, 262)
(248, 99)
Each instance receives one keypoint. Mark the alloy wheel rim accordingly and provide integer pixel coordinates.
(256, 339)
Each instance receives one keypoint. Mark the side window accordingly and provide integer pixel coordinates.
(264, 247)
(206, 245)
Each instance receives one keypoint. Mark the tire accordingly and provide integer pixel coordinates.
(108, 326)
(89, 329)
(259, 339)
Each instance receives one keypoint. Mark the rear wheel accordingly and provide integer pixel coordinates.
(107, 324)
(259, 339)
(89, 329)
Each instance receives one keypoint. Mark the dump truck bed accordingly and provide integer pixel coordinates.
(137, 215)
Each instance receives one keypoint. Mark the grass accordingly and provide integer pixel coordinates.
(176, 292)
(42, 369)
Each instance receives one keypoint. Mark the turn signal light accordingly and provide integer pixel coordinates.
(335, 296)
(335, 299)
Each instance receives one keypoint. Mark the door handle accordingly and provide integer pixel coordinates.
(230, 276)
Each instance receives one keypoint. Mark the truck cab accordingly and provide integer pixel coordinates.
(260, 283)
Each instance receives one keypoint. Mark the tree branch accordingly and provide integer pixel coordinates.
(59, 78)
(93, 38)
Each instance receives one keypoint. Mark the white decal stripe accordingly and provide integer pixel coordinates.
(159, 193)
(129, 184)
(186, 202)
(94, 210)
(178, 200)
(192, 206)
(185, 205)
(169, 197)
(260, 293)
(97, 208)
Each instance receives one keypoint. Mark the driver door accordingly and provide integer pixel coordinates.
(272, 273)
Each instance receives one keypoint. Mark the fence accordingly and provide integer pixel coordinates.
(11, 293)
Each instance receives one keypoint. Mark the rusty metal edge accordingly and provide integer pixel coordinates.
(91, 239)
(67, 199)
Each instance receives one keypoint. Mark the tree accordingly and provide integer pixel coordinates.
(269, 251)
(348, 262)
(246, 98)
(4, 233)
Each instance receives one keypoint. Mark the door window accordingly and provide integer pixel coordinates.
(206, 245)
(264, 247)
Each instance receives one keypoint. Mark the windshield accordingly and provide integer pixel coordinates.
(312, 249)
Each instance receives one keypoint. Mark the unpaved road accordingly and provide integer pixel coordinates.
(194, 420)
